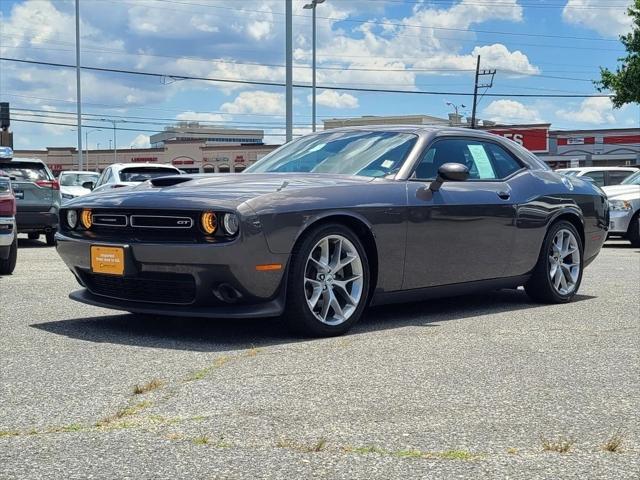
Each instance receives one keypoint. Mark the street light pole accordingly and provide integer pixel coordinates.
(313, 6)
(78, 88)
(115, 145)
(289, 70)
(86, 142)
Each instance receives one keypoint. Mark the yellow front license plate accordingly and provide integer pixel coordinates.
(108, 260)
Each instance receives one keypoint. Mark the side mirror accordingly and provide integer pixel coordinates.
(89, 185)
(449, 172)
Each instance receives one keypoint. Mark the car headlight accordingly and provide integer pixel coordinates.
(231, 223)
(620, 205)
(209, 223)
(72, 219)
(85, 219)
(68, 196)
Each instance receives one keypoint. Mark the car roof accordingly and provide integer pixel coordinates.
(134, 164)
(597, 169)
(79, 172)
(17, 160)
(443, 129)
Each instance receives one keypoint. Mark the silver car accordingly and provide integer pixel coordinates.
(71, 184)
(37, 195)
(624, 203)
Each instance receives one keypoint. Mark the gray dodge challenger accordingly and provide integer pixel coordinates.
(335, 221)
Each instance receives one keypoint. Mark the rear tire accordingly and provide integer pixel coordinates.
(558, 273)
(633, 233)
(7, 266)
(328, 282)
(51, 238)
(33, 236)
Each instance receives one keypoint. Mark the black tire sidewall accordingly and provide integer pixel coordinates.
(51, 238)
(633, 234)
(561, 225)
(297, 315)
(7, 266)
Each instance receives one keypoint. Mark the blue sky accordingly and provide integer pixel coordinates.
(537, 47)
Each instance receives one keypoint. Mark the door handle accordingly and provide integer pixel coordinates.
(504, 195)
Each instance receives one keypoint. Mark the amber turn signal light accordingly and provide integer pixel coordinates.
(269, 267)
(85, 219)
(209, 223)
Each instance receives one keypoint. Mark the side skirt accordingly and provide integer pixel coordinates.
(451, 290)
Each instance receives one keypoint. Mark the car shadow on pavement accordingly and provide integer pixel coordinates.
(26, 243)
(231, 334)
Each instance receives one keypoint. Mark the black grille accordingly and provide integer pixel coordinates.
(159, 288)
(160, 221)
(109, 220)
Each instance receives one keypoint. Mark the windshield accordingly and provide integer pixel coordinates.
(77, 179)
(632, 180)
(372, 154)
(142, 174)
(26, 171)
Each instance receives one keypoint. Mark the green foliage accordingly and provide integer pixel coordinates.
(625, 81)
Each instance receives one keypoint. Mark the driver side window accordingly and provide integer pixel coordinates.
(485, 160)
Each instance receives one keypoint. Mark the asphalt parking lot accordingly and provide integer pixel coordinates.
(472, 387)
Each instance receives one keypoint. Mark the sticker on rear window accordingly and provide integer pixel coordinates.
(480, 158)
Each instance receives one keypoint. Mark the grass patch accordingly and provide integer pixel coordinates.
(408, 454)
(560, 445)
(201, 440)
(512, 451)
(318, 446)
(412, 453)
(203, 372)
(150, 386)
(74, 427)
(453, 455)
(123, 413)
(9, 433)
(614, 443)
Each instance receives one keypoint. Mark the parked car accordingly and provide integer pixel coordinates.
(601, 176)
(127, 174)
(8, 235)
(624, 203)
(334, 221)
(71, 184)
(37, 195)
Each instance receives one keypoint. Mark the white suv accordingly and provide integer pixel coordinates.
(624, 209)
(601, 176)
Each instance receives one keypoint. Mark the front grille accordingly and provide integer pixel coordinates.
(109, 220)
(160, 288)
(161, 221)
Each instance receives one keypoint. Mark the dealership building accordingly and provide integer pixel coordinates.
(194, 148)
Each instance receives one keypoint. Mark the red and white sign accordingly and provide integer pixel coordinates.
(239, 158)
(534, 139)
(55, 166)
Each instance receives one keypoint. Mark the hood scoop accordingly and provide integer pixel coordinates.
(169, 181)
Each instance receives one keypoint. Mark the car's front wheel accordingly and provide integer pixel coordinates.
(51, 238)
(633, 234)
(328, 282)
(558, 273)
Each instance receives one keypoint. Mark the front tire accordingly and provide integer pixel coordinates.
(558, 273)
(7, 266)
(633, 233)
(328, 282)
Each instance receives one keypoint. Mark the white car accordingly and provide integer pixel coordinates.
(71, 184)
(624, 209)
(128, 174)
(601, 176)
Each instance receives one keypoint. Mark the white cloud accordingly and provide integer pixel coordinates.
(257, 101)
(510, 111)
(141, 141)
(192, 116)
(333, 99)
(608, 21)
(596, 111)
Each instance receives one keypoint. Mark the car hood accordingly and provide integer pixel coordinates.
(74, 190)
(207, 191)
(622, 191)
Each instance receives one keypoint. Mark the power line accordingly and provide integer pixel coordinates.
(279, 84)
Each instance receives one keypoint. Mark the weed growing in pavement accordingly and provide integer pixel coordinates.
(203, 372)
(512, 451)
(561, 445)
(201, 440)
(150, 386)
(311, 448)
(128, 411)
(412, 453)
(9, 433)
(614, 443)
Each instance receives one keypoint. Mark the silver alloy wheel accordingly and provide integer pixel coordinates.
(564, 262)
(333, 280)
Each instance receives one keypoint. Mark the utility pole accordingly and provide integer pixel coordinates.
(289, 70)
(312, 6)
(78, 93)
(477, 85)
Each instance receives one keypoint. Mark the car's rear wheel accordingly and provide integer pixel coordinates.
(558, 273)
(7, 266)
(51, 238)
(328, 282)
(33, 235)
(633, 232)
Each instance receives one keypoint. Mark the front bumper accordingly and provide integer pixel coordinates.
(215, 280)
(619, 221)
(36, 221)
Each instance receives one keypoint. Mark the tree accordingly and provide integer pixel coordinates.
(625, 81)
